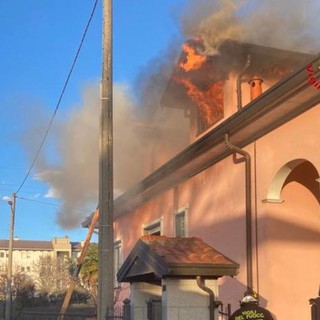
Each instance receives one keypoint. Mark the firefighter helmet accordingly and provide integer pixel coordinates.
(249, 296)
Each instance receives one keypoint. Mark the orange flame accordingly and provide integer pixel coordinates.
(210, 101)
(193, 59)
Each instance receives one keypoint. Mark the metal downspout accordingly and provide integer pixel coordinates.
(239, 82)
(247, 158)
(200, 283)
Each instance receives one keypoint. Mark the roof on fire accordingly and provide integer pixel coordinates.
(230, 56)
(288, 98)
(156, 257)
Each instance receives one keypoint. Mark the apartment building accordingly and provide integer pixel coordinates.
(26, 253)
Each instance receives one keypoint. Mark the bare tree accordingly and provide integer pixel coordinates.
(52, 276)
(3, 281)
(23, 287)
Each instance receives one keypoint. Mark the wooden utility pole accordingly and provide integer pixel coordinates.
(80, 261)
(106, 266)
(12, 204)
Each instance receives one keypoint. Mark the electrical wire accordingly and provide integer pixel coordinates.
(40, 202)
(46, 203)
(60, 97)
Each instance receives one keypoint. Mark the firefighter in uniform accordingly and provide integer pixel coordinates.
(250, 309)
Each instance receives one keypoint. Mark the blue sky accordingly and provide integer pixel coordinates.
(39, 39)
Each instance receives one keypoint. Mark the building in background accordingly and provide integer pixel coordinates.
(26, 253)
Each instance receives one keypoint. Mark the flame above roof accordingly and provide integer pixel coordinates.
(231, 56)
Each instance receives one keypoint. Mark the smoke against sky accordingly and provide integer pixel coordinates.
(74, 180)
(287, 24)
(141, 126)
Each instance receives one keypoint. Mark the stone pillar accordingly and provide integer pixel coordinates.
(140, 293)
(183, 299)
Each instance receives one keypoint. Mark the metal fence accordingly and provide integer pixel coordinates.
(126, 311)
(121, 312)
(37, 315)
(53, 313)
(152, 311)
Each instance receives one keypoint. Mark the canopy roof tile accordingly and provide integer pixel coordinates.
(157, 257)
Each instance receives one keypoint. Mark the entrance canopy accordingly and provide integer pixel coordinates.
(156, 257)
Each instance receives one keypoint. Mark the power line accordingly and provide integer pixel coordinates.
(60, 97)
(47, 203)
(40, 202)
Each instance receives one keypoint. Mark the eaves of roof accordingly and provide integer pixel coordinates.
(284, 101)
(141, 262)
(156, 257)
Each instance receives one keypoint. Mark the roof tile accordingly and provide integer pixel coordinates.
(184, 250)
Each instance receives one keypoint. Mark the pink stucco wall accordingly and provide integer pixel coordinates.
(286, 235)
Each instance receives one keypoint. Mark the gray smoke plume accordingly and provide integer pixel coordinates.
(74, 178)
(141, 126)
(287, 24)
(137, 129)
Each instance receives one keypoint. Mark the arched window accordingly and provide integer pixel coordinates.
(299, 170)
(290, 236)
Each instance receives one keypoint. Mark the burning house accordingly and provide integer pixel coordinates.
(238, 208)
(199, 81)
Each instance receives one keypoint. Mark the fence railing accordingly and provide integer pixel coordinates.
(37, 315)
(53, 313)
(153, 310)
(121, 312)
(118, 313)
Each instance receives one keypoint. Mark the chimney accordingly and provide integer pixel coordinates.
(255, 87)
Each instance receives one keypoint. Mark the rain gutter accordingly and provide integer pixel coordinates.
(202, 286)
(247, 159)
(281, 103)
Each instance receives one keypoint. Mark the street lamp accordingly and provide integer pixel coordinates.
(12, 204)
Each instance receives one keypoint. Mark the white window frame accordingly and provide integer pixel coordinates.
(180, 211)
(118, 243)
(152, 227)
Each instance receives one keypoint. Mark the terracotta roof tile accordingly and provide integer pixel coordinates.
(184, 250)
(156, 257)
